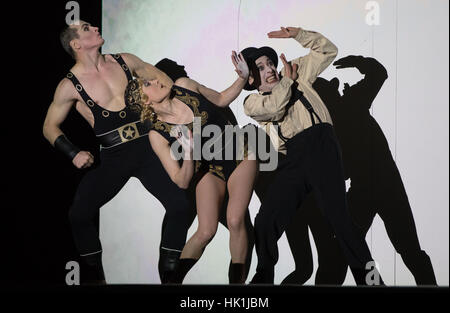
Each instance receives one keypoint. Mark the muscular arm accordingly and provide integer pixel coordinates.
(58, 110)
(179, 175)
(145, 70)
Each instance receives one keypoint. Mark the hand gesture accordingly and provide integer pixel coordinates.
(289, 70)
(351, 61)
(240, 65)
(285, 32)
(83, 159)
(348, 61)
(184, 138)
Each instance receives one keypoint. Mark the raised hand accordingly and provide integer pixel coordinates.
(289, 70)
(285, 32)
(240, 65)
(348, 61)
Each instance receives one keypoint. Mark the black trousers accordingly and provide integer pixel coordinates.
(117, 166)
(313, 163)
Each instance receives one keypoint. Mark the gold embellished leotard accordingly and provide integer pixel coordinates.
(209, 114)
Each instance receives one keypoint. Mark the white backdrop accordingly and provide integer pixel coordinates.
(410, 40)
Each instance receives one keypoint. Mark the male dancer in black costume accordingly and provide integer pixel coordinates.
(95, 86)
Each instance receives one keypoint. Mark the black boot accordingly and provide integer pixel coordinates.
(236, 273)
(183, 268)
(92, 275)
(91, 271)
(168, 263)
(263, 276)
(419, 264)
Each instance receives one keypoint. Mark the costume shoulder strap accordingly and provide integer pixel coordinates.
(124, 66)
(163, 129)
(86, 98)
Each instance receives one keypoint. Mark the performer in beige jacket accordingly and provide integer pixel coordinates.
(304, 133)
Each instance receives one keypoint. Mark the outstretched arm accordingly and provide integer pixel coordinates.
(224, 98)
(322, 53)
(180, 175)
(145, 70)
(366, 89)
(58, 110)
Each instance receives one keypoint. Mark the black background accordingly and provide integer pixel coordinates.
(38, 182)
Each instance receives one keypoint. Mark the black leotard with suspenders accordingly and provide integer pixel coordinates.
(125, 152)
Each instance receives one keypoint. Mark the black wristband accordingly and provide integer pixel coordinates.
(65, 146)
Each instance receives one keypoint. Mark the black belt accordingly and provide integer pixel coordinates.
(123, 134)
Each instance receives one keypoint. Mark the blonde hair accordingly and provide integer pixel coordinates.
(136, 99)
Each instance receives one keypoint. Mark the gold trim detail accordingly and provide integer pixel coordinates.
(194, 103)
(190, 101)
(122, 114)
(90, 103)
(160, 125)
(198, 164)
(105, 113)
(128, 132)
(217, 169)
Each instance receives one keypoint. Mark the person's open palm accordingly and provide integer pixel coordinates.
(241, 67)
(346, 62)
(289, 69)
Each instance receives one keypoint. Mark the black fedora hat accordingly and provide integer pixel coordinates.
(251, 54)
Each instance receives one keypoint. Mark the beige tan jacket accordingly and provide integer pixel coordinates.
(267, 109)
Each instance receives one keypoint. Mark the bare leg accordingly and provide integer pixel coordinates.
(210, 192)
(240, 189)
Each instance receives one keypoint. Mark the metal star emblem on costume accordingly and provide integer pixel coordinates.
(128, 132)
